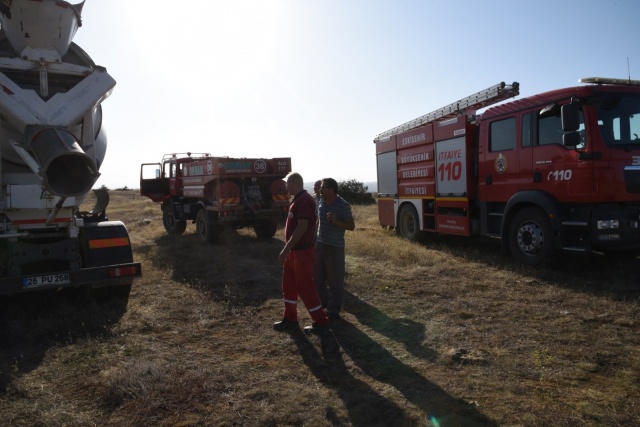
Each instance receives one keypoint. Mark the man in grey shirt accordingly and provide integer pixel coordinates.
(334, 217)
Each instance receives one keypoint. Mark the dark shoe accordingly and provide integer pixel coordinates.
(315, 329)
(285, 325)
(334, 317)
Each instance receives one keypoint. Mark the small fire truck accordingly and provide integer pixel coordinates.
(555, 171)
(215, 193)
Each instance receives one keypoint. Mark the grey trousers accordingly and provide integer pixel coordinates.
(328, 276)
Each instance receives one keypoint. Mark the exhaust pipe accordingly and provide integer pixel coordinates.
(66, 170)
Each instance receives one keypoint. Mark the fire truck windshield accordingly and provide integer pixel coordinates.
(619, 118)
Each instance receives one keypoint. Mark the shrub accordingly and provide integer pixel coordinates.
(355, 192)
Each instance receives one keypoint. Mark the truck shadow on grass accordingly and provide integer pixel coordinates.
(241, 269)
(31, 324)
(614, 276)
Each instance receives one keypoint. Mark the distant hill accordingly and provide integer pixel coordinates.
(372, 187)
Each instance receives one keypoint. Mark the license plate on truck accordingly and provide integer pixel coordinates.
(46, 280)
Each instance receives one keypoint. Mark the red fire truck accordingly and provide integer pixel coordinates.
(554, 171)
(217, 193)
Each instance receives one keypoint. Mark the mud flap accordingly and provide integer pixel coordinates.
(103, 244)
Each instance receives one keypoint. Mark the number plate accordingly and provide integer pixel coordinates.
(48, 280)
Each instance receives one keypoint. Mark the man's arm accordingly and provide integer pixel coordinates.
(349, 225)
(301, 228)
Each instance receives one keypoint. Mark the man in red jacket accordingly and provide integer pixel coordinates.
(297, 260)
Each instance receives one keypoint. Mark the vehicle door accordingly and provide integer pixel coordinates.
(564, 172)
(506, 166)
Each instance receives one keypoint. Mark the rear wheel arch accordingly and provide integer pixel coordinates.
(172, 224)
(207, 227)
(266, 228)
(408, 224)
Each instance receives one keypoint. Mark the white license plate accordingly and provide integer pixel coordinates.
(47, 280)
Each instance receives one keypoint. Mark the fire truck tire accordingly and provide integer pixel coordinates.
(530, 236)
(266, 229)
(207, 228)
(171, 224)
(409, 224)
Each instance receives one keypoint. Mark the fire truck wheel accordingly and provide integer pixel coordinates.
(530, 236)
(171, 224)
(206, 227)
(409, 224)
(266, 229)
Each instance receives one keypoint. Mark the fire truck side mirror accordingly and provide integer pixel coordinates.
(571, 139)
(570, 117)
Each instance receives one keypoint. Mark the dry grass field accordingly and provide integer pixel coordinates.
(448, 333)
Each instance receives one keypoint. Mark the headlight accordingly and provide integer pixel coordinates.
(608, 237)
(608, 223)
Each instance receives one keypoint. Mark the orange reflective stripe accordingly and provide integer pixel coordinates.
(108, 243)
(230, 201)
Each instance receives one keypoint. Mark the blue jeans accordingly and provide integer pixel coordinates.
(328, 276)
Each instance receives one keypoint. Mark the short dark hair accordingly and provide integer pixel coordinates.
(331, 184)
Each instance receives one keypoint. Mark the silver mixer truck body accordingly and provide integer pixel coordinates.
(52, 144)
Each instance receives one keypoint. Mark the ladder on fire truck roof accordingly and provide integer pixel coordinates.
(484, 98)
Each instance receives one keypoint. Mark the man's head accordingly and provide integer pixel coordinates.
(329, 189)
(316, 186)
(295, 184)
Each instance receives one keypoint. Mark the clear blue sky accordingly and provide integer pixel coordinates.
(316, 80)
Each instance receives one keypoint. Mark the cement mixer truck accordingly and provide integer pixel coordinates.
(52, 144)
